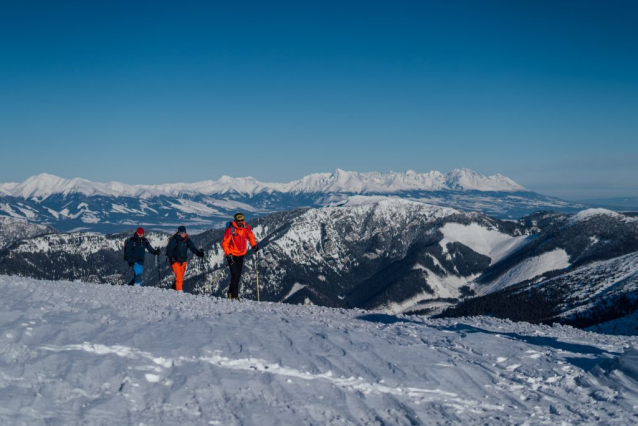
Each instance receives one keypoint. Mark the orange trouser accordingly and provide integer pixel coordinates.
(179, 269)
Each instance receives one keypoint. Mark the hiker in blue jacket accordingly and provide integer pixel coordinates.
(134, 249)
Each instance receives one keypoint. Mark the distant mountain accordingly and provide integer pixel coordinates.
(44, 185)
(78, 204)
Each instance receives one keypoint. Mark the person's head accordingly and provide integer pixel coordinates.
(181, 230)
(140, 232)
(239, 219)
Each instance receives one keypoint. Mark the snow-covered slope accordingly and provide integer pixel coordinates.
(77, 353)
(12, 230)
(562, 242)
(577, 269)
(627, 326)
(597, 293)
(384, 255)
(489, 242)
(530, 268)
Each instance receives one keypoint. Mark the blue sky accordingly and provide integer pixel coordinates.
(545, 92)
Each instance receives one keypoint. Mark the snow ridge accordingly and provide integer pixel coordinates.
(45, 185)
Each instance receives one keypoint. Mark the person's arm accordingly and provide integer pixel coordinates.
(195, 250)
(150, 248)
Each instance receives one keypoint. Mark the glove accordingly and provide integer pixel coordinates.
(229, 258)
(130, 265)
(200, 253)
(256, 248)
(157, 252)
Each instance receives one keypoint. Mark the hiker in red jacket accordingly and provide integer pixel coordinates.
(235, 246)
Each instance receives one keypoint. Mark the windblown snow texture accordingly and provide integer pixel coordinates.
(86, 354)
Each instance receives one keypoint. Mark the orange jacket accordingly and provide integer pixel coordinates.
(234, 241)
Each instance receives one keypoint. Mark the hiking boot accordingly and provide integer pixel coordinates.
(230, 297)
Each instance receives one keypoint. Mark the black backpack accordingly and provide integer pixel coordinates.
(126, 241)
(169, 243)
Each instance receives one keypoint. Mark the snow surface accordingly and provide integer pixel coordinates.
(77, 354)
(530, 268)
(489, 242)
(45, 185)
(592, 213)
(627, 325)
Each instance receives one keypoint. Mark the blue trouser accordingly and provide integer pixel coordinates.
(138, 270)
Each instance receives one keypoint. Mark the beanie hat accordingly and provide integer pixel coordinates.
(140, 231)
(239, 217)
(181, 229)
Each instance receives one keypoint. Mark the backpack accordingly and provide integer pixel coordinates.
(126, 243)
(169, 243)
(232, 228)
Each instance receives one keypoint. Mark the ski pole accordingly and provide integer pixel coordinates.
(123, 275)
(256, 273)
(205, 267)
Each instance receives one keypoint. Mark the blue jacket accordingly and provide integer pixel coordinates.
(178, 248)
(135, 247)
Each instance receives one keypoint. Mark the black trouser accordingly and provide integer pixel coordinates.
(235, 275)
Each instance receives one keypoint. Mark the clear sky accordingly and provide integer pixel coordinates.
(545, 92)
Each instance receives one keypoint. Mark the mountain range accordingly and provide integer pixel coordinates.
(393, 255)
(78, 204)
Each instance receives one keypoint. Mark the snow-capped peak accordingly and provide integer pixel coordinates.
(40, 186)
(466, 179)
(340, 181)
(7, 188)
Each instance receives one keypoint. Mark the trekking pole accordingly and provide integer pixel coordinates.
(205, 266)
(123, 275)
(256, 273)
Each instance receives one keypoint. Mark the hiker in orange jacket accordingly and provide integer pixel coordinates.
(235, 248)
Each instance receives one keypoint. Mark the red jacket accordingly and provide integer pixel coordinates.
(235, 239)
